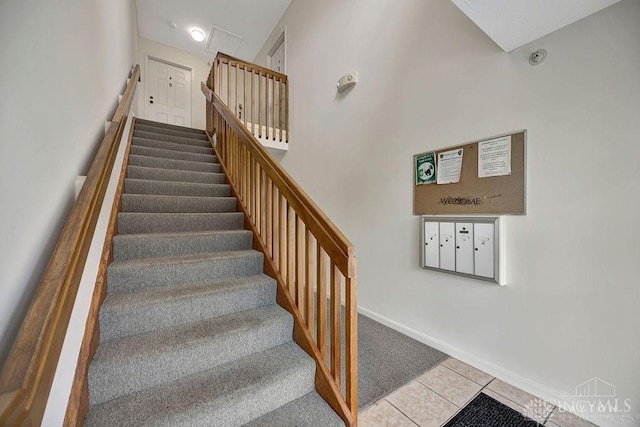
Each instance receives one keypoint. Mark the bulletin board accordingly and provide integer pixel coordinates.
(473, 195)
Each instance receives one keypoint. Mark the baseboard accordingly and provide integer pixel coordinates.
(510, 377)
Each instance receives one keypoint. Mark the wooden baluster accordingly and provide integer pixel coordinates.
(268, 222)
(254, 96)
(351, 341)
(257, 202)
(259, 104)
(252, 186)
(280, 108)
(282, 239)
(300, 258)
(286, 113)
(291, 256)
(312, 271)
(322, 302)
(263, 207)
(273, 108)
(244, 91)
(336, 339)
(228, 84)
(236, 74)
(276, 227)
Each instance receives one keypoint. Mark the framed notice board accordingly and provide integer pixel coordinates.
(503, 193)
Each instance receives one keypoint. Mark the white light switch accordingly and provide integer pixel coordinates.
(464, 247)
(431, 244)
(447, 246)
(484, 249)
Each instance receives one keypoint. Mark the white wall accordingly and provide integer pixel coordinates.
(65, 62)
(199, 65)
(429, 78)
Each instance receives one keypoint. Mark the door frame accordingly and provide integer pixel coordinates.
(280, 40)
(147, 57)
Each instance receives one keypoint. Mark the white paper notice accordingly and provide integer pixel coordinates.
(449, 166)
(494, 157)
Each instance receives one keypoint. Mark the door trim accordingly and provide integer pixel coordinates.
(147, 57)
(282, 39)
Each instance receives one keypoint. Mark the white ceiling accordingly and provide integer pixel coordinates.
(253, 20)
(514, 23)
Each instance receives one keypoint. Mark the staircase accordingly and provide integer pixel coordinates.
(190, 332)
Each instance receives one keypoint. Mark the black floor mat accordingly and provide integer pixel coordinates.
(484, 411)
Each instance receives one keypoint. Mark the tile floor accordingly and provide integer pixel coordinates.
(433, 398)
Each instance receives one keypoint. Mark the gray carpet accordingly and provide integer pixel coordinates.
(388, 360)
(190, 331)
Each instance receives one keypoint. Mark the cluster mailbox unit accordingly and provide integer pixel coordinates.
(470, 247)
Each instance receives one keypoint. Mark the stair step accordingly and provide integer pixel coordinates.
(170, 188)
(172, 154)
(308, 411)
(136, 275)
(133, 313)
(228, 395)
(158, 174)
(167, 131)
(137, 246)
(170, 204)
(138, 222)
(154, 162)
(145, 122)
(171, 138)
(138, 362)
(142, 142)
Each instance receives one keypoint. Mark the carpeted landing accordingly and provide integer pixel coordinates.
(190, 332)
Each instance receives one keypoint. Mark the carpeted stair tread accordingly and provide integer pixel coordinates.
(167, 131)
(308, 411)
(135, 275)
(172, 154)
(142, 142)
(137, 246)
(136, 312)
(172, 188)
(137, 362)
(160, 174)
(141, 222)
(184, 165)
(228, 395)
(175, 204)
(146, 122)
(171, 138)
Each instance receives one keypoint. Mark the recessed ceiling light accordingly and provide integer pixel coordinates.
(198, 35)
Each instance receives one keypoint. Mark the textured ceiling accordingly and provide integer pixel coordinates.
(514, 23)
(253, 20)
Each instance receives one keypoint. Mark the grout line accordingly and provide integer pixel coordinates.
(464, 376)
(398, 409)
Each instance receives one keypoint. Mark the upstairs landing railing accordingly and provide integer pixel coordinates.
(257, 96)
(312, 261)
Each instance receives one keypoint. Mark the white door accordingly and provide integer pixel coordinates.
(168, 93)
(277, 59)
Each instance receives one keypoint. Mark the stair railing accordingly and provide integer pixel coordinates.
(27, 376)
(259, 97)
(304, 251)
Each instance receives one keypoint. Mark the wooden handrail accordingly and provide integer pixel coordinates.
(247, 87)
(304, 251)
(26, 378)
(225, 57)
(335, 242)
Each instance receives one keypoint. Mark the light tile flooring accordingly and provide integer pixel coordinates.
(433, 398)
